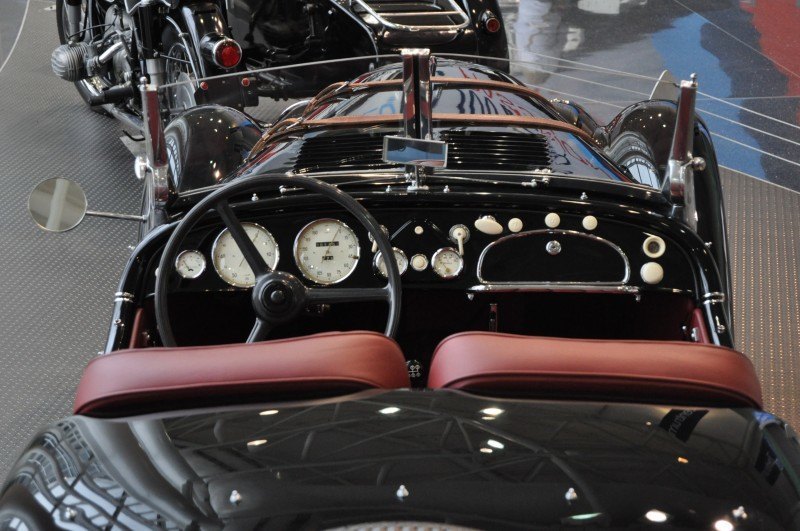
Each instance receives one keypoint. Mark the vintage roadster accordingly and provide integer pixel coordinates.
(549, 345)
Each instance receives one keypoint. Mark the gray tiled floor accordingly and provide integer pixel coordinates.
(11, 14)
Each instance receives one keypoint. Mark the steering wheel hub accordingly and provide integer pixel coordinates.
(278, 297)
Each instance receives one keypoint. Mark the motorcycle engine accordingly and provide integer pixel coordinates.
(83, 60)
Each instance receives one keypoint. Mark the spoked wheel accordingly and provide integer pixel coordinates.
(94, 85)
(180, 69)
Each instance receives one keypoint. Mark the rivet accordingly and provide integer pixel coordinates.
(235, 498)
(70, 514)
(254, 198)
(571, 495)
(584, 197)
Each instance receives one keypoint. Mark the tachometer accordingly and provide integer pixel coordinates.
(447, 263)
(399, 257)
(326, 251)
(229, 261)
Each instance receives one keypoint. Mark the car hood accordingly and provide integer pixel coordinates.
(412, 456)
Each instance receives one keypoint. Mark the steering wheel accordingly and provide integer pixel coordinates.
(277, 296)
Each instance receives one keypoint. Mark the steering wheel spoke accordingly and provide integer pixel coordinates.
(334, 295)
(277, 297)
(260, 331)
(248, 248)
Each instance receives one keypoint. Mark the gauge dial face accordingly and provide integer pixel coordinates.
(190, 264)
(447, 263)
(230, 262)
(326, 251)
(400, 258)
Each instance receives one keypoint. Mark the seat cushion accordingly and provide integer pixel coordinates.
(143, 380)
(635, 371)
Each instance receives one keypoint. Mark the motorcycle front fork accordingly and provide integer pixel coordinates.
(74, 18)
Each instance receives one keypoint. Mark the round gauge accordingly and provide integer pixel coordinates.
(229, 261)
(400, 258)
(326, 251)
(190, 264)
(447, 263)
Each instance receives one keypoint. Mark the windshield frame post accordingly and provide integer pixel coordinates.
(157, 174)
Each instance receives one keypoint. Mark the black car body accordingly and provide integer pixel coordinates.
(562, 356)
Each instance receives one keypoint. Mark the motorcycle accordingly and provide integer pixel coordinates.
(110, 47)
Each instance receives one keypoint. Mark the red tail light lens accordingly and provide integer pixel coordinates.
(490, 22)
(227, 53)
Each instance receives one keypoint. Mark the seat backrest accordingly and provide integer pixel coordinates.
(670, 372)
(144, 380)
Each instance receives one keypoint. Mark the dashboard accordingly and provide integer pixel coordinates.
(477, 251)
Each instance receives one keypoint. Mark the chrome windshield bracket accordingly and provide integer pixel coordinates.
(679, 179)
(157, 184)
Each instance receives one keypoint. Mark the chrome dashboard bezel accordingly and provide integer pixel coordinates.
(214, 250)
(297, 262)
(439, 252)
(609, 287)
(394, 250)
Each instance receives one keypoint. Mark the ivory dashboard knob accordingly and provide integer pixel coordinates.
(652, 273)
(589, 223)
(552, 220)
(488, 225)
(515, 224)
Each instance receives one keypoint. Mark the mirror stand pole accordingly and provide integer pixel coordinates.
(114, 215)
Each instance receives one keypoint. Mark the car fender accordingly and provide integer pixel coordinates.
(207, 143)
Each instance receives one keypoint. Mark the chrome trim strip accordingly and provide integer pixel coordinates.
(562, 287)
(454, 8)
(714, 297)
(556, 232)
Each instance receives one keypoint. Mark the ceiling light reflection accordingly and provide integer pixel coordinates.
(654, 515)
(723, 525)
(492, 411)
(269, 412)
(391, 410)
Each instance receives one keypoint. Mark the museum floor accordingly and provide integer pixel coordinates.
(57, 290)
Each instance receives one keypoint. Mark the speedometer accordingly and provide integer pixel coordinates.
(229, 261)
(326, 251)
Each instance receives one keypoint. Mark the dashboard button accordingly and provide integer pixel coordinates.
(488, 225)
(515, 224)
(589, 223)
(419, 262)
(552, 220)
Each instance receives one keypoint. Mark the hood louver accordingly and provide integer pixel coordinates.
(467, 150)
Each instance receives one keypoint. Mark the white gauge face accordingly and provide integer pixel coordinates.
(229, 261)
(447, 263)
(326, 251)
(190, 264)
(400, 258)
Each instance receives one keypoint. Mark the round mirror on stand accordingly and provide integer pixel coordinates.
(57, 205)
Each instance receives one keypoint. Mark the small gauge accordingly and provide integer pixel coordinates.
(447, 263)
(400, 258)
(190, 264)
(229, 261)
(326, 251)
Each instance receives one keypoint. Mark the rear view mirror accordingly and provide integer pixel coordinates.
(57, 205)
(415, 151)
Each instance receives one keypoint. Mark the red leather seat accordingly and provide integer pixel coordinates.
(143, 380)
(667, 372)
